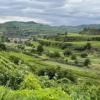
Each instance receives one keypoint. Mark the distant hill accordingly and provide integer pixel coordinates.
(29, 28)
(91, 31)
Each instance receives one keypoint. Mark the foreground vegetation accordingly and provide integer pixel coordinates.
(61, 67)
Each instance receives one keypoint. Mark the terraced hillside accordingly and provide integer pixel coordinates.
(50, 68)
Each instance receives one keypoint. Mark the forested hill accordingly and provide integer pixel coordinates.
(27, 28)
(91, 31)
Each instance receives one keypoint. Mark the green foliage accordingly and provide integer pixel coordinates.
(21, 47)
(28, 43)
(88, 46)
(43, 94)
(57, 73)
(67, 52)
(73, 57)
(15, 60)
(3, 47)
(54, 75)
(87, 62)
(40, 49)
(48, 83)
(54, 54)
(84, 55)
(66, 33)
(76, 62)
(90, 31)
(30, 82)
(11, 78)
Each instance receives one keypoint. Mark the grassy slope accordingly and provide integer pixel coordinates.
(81, 72)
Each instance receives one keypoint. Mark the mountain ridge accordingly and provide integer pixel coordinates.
(31, 27)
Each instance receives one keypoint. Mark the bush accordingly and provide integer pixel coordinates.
(65, 45)
(30, 82)
(76, 62)
(15, 60)
(22, 47)
(11, 78)
(47, 83)
(42, 94)
(62, 73)
(3, 47)
(54, 54)
(84, 55)
(66, 60)
(40, 49)
(58, 73)
(50, 72)
(87, 62)
(88, 46)
(73, 57)
(28, 43)
(67, 52)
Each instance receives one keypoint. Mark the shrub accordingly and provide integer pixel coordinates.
(84, 55)
(54, 54)
(40, 49)
(50, 72)
(66, 60)
(11, 78)
(22, 47)
(42, 94)
(87, 62)
(62, 73)
(88, 46)
(3, 47)
(76, 62)
(28, 43)
(58, 73)
(30, 82)
(66, 45)
(67, 52)
(73, 57)
(47, 83)
(15, 59)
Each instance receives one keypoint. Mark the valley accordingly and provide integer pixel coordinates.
(61, 66)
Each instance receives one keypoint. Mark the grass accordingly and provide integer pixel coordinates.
(82, 43)
(83, 72)
(81, 35)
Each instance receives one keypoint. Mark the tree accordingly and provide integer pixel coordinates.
(76, 61)
(84, 55)
(88, 46)
(66, 33)
(22, 47)
(67, 52)
(87, 62)
(40, 49)
(3, 39)
(15, 59)
(73, 57)
(3, 46)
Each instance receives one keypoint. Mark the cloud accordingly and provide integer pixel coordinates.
(24, 19)
(54, 12)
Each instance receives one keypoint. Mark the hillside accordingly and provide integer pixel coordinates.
(29, 28)
(60, 67)
(91, 31)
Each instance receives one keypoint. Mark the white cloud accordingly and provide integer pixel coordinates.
(31, 10)
(24, 19)
(56, 12)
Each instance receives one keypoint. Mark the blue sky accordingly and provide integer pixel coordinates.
(53, 12)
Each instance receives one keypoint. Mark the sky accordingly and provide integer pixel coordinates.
(52, 12)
